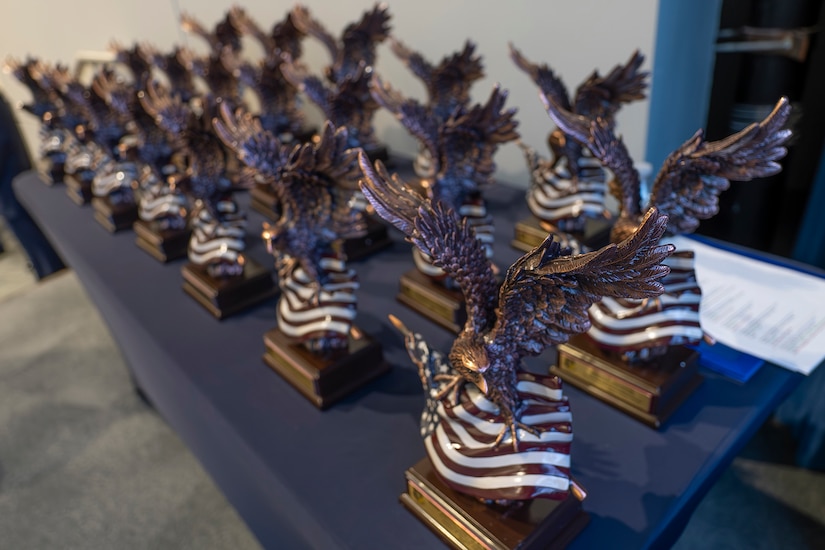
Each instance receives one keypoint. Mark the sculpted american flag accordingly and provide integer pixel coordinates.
(671, 319)
(459, 438)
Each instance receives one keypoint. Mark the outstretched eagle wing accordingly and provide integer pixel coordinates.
(311, 85)
(692, 177)
(254, 146)
(597, 135)
(414, 61)
(359, 39)
(543, 76)
(168, 111)
(489, 124)
(437, 231)
(602, 96)
(415, 117)
(546, 295)
(309, 25)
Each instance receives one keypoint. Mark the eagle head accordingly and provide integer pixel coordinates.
(469, 358)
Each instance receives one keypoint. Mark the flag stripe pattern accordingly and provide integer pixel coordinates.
(325, 319)
(671, 319)
(460, 445)
(555, 196)
(218, 244)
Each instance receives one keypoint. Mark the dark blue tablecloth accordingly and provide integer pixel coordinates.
(304, 478)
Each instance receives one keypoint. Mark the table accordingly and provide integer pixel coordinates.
(304, 478)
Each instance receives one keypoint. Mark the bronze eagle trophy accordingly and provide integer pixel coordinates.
(344, 95)
(686, 189)
(315, 183)
(480, 402)
(447, 83)
(569, 189)
(461, 147)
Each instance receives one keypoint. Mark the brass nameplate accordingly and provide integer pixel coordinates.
(599, 379)
(447, 524)
(442, 311)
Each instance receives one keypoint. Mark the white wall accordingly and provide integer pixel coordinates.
(573, 37)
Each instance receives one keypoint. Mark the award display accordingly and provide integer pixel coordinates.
(344, 96)
(315, 347)
(497, 438)
(162, 227)
(180, 80)
(116, 178)
(448, 87)
(136, 61)
(160, 221)
(633, 356)
(566, 195)
(218, 275)
(44, 106)
(216, 69)
(65, 131)
(93, 134)
(447, 84)
(461, 148)
(278, 105)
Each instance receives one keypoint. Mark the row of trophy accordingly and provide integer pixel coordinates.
(620, 304)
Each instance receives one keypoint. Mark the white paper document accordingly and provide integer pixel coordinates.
(771, 312)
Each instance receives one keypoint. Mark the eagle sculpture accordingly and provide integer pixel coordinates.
(448, 87)
(314, 183)
(344, 95)
(279, 110)
(462, 149)
(686, 189)
(218, 225)
(570, 187)
(544, 298)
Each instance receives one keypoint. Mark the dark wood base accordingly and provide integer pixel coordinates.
(529, 233)
(464, 522)
(324, 380)
(225, 297)
(265, 202)
(432, 300)
(78, 189)
(164, 246)
(649, 392)
(377, 238)
(114, 217)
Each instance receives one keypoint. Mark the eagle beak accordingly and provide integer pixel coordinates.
(482, 385)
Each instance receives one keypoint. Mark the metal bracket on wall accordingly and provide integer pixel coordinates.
(793, 43)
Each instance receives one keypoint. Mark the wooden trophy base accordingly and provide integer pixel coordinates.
(529, 233)
(78, 189)
(114, 217)
(466, 523)
(324, 380)
(377, 238)
(265, 202)
(432, 300)
(649, 392)
(164, 246)
(225, 297)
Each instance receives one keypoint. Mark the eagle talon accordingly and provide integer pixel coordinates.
(513, 426)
